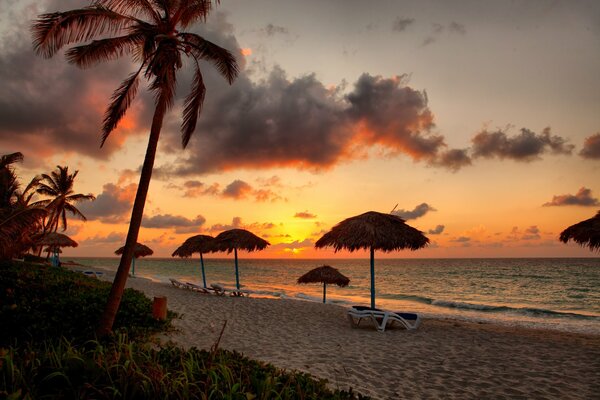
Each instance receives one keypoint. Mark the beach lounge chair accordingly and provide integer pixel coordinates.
(380, 318)
(197, 288)
(218, 289)
(178, 284)
(239, 293)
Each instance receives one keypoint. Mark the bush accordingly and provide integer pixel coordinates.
(39, 303)
(128, 370)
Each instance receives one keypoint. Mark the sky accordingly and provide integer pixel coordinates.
(477, 122)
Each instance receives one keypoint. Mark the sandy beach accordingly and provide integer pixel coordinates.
(446, 359)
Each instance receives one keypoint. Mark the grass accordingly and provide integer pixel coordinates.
(48, 350)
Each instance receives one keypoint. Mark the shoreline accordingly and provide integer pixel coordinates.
(443, 358)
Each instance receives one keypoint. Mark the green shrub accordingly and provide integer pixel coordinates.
(130, 370)
(39, 303)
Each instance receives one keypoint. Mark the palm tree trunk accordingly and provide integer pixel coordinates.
(118, 286)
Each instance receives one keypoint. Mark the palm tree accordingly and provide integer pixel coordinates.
(59, 186)
(18, 219)
(149, 30)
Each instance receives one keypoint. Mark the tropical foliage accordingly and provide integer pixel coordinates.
(24, 222)
(58, 185)
(153, 33)
(18, 219)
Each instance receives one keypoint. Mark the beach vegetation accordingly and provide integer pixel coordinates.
(58, 186)
(154, 34)
(48, 349)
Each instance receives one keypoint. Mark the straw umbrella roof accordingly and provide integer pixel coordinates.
(325, 274)
(194, 244)
(55, 239)
(585, 233)
(52, 250)
(140, 250)
(238, 239)
(375, 230)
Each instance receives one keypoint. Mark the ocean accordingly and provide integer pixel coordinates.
(552, 293)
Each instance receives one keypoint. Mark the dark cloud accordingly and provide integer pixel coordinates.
(531, 233)
(112, 205)
(236, 223)
(453, 159)
(305, 215)
(113, 237)
(180, 223)
(415, 213)
(591, 147)
(295, 245)
(583, 197)
(272, 30)
(303, 124)
(437, 230)
(401, 23)
(461, 239)
(455, 27)
(237, 189)
(49, 106)
(526, 146)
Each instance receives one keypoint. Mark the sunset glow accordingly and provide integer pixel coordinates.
(482, 129)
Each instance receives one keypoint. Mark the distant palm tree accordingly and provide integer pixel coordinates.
(18, 219)
(149, 30)
(59, 186)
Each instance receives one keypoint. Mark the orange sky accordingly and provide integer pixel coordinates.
(480, 126)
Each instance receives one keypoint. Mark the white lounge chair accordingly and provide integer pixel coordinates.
(178, 284)
(380, 318)
(197, 288)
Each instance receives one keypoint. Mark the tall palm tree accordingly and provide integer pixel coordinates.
(18, 219)
(59, 186)
(150, 31)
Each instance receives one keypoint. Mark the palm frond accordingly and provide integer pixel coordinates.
(73, 210)
(120, 102)
(193, 107)
(192, 11)
(81, 197)
(14, 223)
(103, 50)
(52, 31)
(12, 158)
(43, 188)
(221, 58)
(131, 7)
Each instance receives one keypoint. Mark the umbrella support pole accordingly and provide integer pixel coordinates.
(133, 266)
(324, 292)
(237, 275)
(202, 266)
(372, 277)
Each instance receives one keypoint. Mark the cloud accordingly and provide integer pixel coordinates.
(293, 246)
(236, 223)
(113, 237)
(531, 233)
(526, 146)
(272, 30)
(453, 159)
(583, 197)
(415, 213)
(437, 230)
(591, 147)
(50, 106)
(464, 240)
(112, 206)
(305, 215)
(180, 223)
(401, 23)
(237, 189)
(455, 27)
(301, 123)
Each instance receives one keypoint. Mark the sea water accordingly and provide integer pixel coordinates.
(554, 293)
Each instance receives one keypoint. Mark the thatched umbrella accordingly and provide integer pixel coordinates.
(325, 275)
(55, 241)
(140, 250)
(373, 231)
(235, 239)
(586, 233)
(195, 244)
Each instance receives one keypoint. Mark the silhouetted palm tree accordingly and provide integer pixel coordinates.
(149, 30)
(18, 219)
(59, 186)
